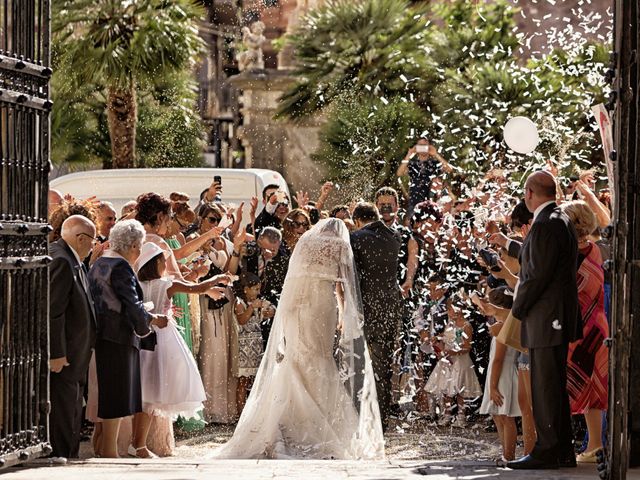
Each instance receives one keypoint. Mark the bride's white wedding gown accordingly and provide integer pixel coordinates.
(301, 404)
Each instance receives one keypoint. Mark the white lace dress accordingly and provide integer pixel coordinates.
(300, 405)
(171, 384)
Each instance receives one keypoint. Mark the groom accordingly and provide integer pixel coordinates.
(375, 251)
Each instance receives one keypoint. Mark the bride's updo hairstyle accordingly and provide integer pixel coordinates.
(331, 227)
(150, 206)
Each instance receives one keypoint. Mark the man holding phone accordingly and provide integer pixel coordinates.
(276, 208)
(422, 163)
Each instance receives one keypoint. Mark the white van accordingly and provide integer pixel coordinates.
(121, 186)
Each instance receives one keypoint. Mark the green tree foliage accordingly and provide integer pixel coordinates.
(454, 65)
(366, 139)
(116, 54)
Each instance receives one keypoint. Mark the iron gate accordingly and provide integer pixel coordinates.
(24, 282)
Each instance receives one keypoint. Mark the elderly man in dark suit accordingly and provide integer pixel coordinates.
(546, 301)
(72, 333)
(268, 259)
(375, 252)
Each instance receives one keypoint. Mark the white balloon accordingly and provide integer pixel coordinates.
(521, 135)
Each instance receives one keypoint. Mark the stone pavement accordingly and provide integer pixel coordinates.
(414, 449)
(172, 469)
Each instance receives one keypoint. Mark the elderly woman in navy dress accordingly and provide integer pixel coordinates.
(123, 327)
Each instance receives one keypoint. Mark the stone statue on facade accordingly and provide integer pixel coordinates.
(252, 57)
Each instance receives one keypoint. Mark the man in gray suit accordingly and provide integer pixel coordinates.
(72, 333)
(546, 301)
(375, 252)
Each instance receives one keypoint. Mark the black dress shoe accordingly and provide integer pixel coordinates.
(530, 463)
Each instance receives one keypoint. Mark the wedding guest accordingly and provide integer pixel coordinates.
(66, 209)
(71, 333)
(182, 217)
(588, 368)
(453, 379)
(268, 259)
(218, 356)
(171, 384)
(123, 325)
(153, 211)
(128, 210)
(267, 217)
(375, 252)
(547, 304)
(501, 389)
(429, 321)
(422, 163)
(386, 200)
(295, 224)
(105, 220)
(248, 314)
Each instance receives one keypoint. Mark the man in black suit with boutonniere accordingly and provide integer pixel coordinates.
(546, 301)
(72, 333)
(375, 252)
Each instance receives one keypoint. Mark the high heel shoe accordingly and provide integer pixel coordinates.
(589, 457)
(133, 452)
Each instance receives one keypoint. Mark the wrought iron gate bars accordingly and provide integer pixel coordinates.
(24, 279)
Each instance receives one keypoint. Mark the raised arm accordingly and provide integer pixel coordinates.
(210, 287)
(601, 211)
(196, 244)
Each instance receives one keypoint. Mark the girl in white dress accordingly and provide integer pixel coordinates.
(501, 396)
(171, 384)
(453, 378)
(248, 314)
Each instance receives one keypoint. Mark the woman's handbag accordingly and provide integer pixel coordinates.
(510, 333)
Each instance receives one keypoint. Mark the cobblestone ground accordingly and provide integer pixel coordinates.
(414, 449)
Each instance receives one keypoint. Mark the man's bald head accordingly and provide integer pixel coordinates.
(79, 233)
(540, 188)
(543, 184)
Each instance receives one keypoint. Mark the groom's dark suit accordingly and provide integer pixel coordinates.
(547, 304)
(375, 251)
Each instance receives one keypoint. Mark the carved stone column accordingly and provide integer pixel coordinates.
(277, 145)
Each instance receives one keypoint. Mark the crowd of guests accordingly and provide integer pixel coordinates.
(160, 313)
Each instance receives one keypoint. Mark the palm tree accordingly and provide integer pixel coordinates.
(124, 44)
(358, 46)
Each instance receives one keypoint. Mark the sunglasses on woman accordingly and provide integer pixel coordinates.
(215, 220)
(300, 224)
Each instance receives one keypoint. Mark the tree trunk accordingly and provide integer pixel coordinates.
(122, 115)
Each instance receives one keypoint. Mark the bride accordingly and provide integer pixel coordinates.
(314, 397)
